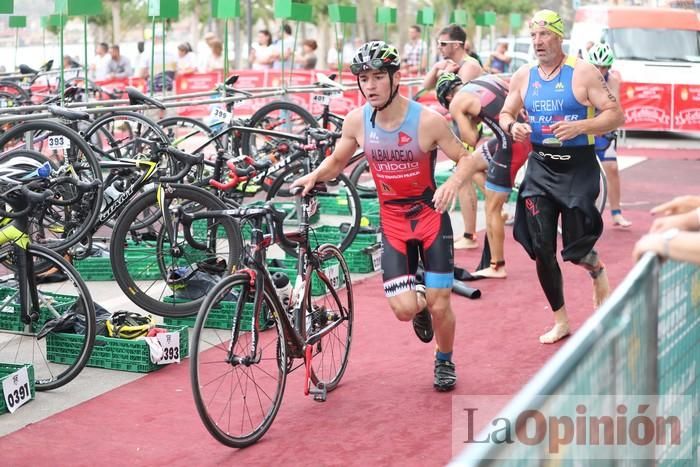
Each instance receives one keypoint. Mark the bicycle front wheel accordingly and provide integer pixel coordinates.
(58, 335)
(237, 390)
(329, 315)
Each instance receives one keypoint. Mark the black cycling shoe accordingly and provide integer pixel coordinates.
(423, 322)
(445, 375)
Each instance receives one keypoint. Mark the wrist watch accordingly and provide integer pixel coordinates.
(510, 127)
(667, 236)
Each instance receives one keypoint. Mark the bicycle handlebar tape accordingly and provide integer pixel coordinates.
(462, 289)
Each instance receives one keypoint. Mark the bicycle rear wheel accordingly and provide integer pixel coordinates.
(59, 354)
(170, 278)
(329, 305)
(236, 401)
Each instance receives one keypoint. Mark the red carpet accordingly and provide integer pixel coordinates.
(385, 411)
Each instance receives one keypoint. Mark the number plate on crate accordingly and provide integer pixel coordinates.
(165, 348)
(377, 259)
(16, 389)
(333, 273)
(56, 142)
(221, 115)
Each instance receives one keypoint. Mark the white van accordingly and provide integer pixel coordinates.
(651, 45)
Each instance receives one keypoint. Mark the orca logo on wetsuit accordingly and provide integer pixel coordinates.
(556, 157)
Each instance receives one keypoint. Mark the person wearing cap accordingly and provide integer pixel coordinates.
(568, 102)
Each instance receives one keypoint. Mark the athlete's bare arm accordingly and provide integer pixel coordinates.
(590, 88)
(436, 131)
(514, 104)
(345, 147)
(465, 108)
(431, 78)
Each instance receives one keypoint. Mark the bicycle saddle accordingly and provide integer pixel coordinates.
(136, 97)
(68, 114)
(27, 70)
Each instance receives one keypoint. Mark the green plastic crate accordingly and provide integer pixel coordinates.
(336, 204)
(95, 268)
(359, 259)
(6, 369)
(221, 317)
(11, 321)
(110, 352)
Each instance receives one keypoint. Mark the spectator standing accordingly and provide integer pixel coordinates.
(215, 61)
(262, 55)
(499, 59)
(141, 62)
(286, 40)
(307, 59)
(99, 67)
(186, 59)
(119, 66)
(415, 52)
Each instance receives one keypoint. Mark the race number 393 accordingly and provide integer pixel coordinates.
(333, 274)
(170, 342)
(16, 389)
(58, 142)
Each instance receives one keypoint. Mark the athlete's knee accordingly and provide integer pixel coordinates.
(591, 263)
(439, 304)
(611, 168)
(405, 310)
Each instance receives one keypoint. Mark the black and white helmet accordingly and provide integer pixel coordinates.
(375, 55)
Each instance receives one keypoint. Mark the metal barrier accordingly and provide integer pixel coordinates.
(171, 101)
(645, 340)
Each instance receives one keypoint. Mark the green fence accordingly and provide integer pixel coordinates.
(644, 340)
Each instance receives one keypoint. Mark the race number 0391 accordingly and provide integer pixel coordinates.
(16, 389)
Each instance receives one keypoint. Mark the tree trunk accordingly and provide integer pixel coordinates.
(116, 21)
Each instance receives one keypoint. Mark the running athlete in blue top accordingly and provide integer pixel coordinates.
(400, 139)
(601, 55)
(561, 95)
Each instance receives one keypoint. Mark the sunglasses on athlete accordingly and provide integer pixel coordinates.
(444, 43)
(542, 23)
(373, 64)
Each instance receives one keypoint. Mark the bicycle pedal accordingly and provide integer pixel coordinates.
(319, 392)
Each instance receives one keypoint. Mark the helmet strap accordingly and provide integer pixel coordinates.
(395, 91)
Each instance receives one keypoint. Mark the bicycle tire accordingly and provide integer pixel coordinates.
(84, 167)
(334, 301)
(264, 118)
(57, 358)
(210, 351)
(350, 216)
(135, 152)
(138, 265)
(16, 90)
(363, 184)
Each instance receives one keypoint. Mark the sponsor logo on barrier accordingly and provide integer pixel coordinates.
(647, 114)
(575, 427)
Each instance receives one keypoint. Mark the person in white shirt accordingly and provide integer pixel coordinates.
(262, 54)
(100, 64)
(186, 60)
(215, 62)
